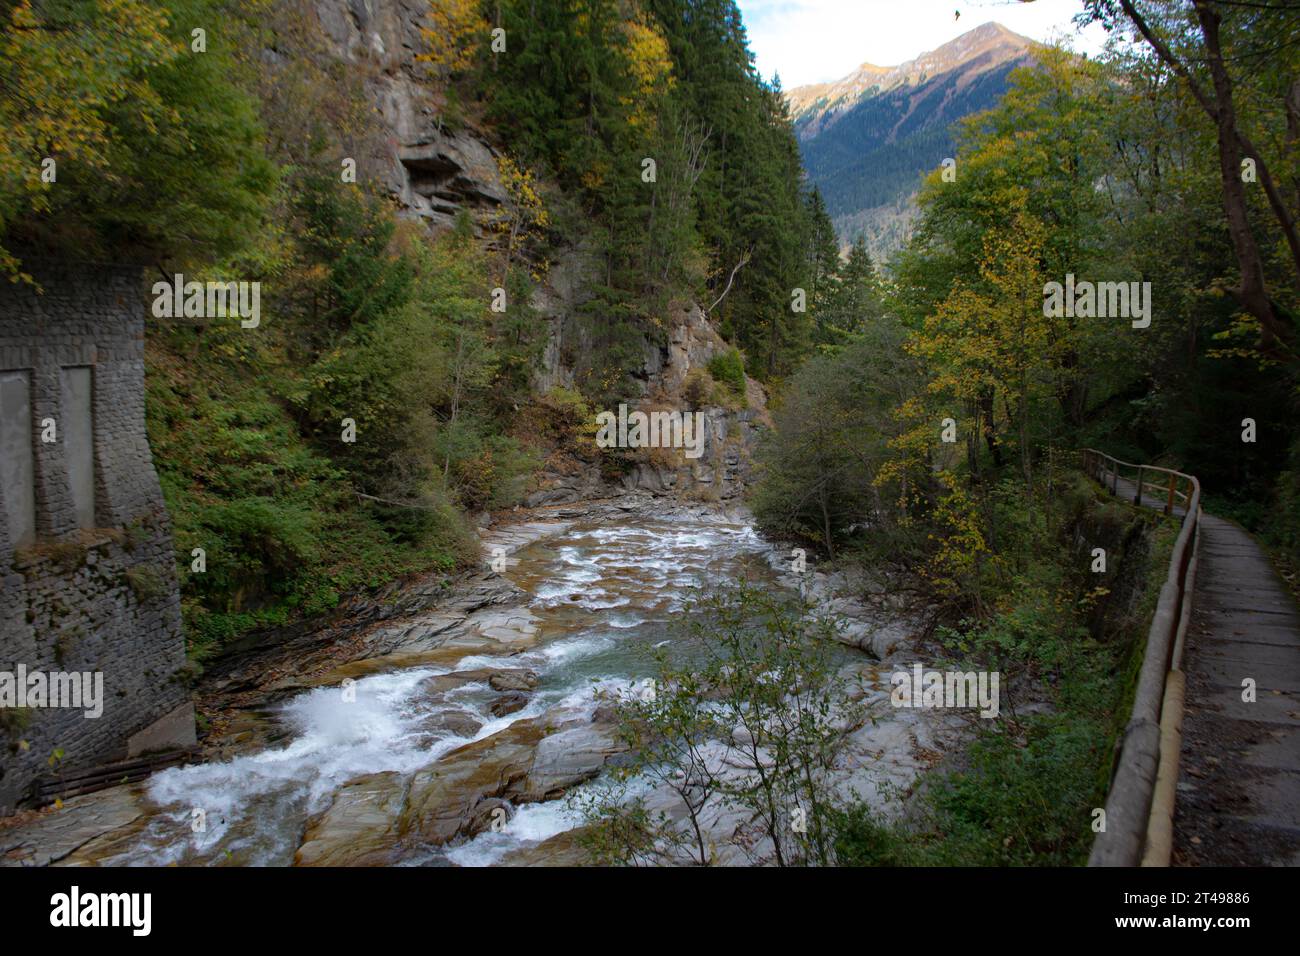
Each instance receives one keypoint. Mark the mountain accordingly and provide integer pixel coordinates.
(868, 138)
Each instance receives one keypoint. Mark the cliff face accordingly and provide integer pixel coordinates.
(435, 170)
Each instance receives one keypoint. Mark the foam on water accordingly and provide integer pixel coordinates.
(531, 823)
(602, 587)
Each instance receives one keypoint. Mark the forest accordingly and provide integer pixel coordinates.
(928, 411)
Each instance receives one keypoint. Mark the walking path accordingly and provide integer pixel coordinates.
(1238, 798)
(1239, 771)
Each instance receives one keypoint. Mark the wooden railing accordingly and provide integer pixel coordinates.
(1139, 807)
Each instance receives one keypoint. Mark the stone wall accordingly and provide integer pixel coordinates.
(101, 598)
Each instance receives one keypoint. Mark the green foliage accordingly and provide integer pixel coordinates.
(349, 234)
(283, 532)
(753, 724)
(852, 300)
(1025, 799)
(1022, 793)
(818, 469)
(386, 329)
(147, 583)
(728, 370)
(1107, 170)
(592, 90)
(1019, 800)
(157, 149)
(14, 720)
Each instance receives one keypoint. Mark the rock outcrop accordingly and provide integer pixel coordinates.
(384, 818)
(434, 169)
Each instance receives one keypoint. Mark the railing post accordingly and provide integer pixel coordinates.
(1140, 792)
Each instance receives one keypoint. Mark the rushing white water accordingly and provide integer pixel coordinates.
(604, 598)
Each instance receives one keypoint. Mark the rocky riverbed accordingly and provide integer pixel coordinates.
(447, 725)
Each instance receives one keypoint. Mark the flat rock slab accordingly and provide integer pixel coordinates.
(56, 834)
(359, 828)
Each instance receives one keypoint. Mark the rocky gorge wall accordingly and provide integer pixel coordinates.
(731, 433)
(435, 170)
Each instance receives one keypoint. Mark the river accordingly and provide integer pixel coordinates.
(599, 598)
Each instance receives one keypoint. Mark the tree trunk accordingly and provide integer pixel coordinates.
(1252, 292)
(826, 523)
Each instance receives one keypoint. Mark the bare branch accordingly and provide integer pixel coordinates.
(743, 260)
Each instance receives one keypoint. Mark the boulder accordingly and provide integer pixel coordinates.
(508, 703)
(360, 826)
(444, 795)
(456, 723)
(513, 680)
(563, 849)
(569, 757)
(486, 813)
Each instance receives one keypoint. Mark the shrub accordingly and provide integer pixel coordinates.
(699, 388)
(728, 369)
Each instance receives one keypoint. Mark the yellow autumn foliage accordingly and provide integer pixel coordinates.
(453, 30)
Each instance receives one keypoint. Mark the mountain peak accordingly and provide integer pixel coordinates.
(990, 43)
(993, 29)
(867, 139)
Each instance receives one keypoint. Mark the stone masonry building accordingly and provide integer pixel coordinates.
(87, 573)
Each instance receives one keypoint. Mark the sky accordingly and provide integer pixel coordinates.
(813, 41)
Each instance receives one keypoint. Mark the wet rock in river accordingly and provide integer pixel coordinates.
(513, 680)
(508, 703)
(456, 723)
(563, 849)
(488, 814)
(569, 757)
(444, 794)
(496, 679)
(54, 834)
(359, 828)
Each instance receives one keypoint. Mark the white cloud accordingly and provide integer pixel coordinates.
(812, 41)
